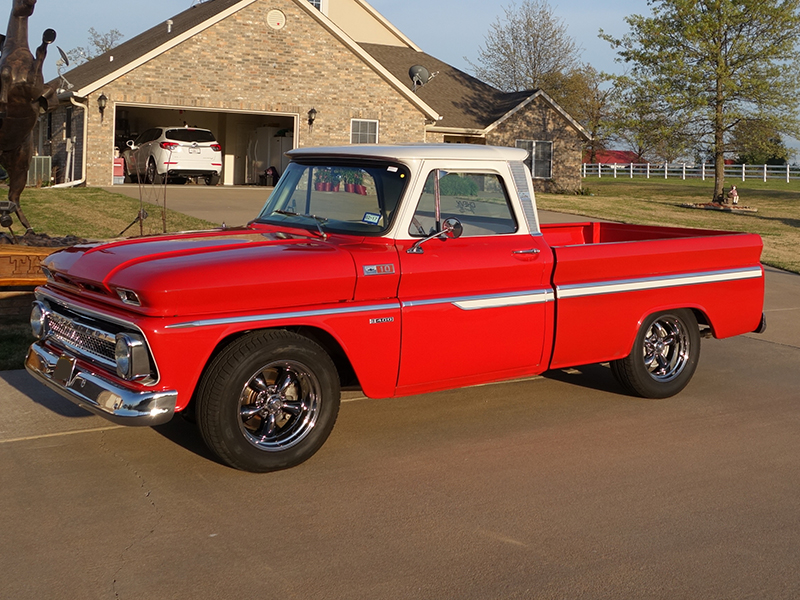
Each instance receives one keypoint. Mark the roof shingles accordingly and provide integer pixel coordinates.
(464, 101)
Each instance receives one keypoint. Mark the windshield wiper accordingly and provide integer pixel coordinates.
(317, 220)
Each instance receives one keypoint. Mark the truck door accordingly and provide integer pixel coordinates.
(476, 308)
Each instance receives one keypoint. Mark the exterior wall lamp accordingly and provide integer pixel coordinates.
(102, 102)
(312, 115)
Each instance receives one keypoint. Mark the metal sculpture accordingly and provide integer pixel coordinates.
(23, 96)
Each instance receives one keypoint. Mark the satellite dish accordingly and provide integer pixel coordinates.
(419, 76)
(63, 56)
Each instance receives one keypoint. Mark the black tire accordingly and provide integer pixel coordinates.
(211, 179)
(268, 401)
(664, 355)
(132, 178)
(152, 175)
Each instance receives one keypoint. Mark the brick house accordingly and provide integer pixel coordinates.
(253, 70)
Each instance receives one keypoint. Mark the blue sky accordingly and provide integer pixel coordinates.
(447, 29)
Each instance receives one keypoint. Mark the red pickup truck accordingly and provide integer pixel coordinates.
(404, 269)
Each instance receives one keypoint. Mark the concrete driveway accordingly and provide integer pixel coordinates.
(234, 205)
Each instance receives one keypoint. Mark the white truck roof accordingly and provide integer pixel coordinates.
(408, 152)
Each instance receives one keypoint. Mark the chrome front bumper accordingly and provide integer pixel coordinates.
(96, 393)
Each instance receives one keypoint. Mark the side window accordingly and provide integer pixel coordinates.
(540, 157)
(478, 200)
(147, 136)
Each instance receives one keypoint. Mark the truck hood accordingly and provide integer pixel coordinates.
(202, 273)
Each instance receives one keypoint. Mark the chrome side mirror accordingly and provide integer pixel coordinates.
(451, 229)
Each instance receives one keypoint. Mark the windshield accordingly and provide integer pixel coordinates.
(337, 198)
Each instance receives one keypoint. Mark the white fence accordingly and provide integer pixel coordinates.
(683, 171)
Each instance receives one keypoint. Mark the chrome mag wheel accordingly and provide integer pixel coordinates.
(664, 355)
(268, 400)
(279, 405)
(666, 348)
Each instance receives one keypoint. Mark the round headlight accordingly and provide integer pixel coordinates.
(122, 354)
(130, 353)
(38, 319)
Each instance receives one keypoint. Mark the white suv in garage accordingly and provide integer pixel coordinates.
(173, 154)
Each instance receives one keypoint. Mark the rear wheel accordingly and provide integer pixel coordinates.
(211, 179)
(152, 175)
(268, 401)
(664, 355)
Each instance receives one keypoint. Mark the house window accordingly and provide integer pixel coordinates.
(540, 158)
(363, 131)
(320, 5)
(50, 126)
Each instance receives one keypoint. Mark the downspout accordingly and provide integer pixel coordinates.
(82, 180)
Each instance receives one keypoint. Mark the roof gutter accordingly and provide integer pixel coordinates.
(71, 97)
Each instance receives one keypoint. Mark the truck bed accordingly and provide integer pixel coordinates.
(606, 275)
(570, 234)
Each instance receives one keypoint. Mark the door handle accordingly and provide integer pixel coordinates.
(531, 251)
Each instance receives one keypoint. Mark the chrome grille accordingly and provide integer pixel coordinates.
(95, 343)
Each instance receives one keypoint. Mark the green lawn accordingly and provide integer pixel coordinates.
(658, 202)
(94, 213)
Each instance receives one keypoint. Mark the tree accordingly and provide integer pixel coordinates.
(526, 48)
(583, 92)
(99, 43)
(646, 125)
(758, 144)
(714, 63)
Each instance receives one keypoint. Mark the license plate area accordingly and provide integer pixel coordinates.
(194, 150)
(65, 367)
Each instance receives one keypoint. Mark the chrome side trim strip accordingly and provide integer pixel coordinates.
(652, 283)
(536, 298)
(489, 300)
(284, 315)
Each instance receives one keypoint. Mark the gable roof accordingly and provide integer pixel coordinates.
(465, 102)
(101, 70)
(96, 72)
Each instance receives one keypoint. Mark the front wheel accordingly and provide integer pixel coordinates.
(664, 355)
(268, 401)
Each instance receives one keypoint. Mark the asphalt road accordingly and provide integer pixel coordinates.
(557, 487)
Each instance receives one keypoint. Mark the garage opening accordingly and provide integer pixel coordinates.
(253, 144)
